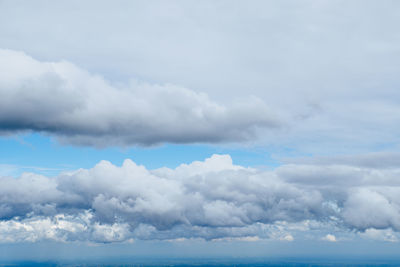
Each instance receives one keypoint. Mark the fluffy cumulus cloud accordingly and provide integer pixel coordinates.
(213, 199)
(80, 108)
(329, 69)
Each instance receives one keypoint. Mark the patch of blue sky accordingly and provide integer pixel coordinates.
(41, 154)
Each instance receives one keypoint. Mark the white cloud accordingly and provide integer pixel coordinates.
(212, 199)
(278, 52)
(330, 72)
(243, 239)
(330, 238)
(60, 99)
(288, 237)
(365, 208)
(59, 228)
(381, 235)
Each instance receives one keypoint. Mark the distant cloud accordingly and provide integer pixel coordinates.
(212, 199)
(372, 160)
(80, 108)
(330, 238)
(288, 237)
(380, 235)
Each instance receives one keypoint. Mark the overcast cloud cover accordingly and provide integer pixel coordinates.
(211, 199)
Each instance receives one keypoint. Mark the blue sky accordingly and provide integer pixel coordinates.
(34, 152)
(190, 124)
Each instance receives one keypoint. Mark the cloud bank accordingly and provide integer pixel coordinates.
(329, 69)
(213, 199)
(80, 108)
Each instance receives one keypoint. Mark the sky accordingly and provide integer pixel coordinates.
(250, 128)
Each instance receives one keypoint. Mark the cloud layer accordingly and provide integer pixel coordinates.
(79, 108)
(331, 73)
(213, 199)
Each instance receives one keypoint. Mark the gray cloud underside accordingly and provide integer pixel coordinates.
(77, 107)
(329, 68)
(211, 200)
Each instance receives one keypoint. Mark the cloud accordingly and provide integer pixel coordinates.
(330, 72)
(211, 199)
(288, 237)
(380, 235)
(373, 160)
(329, 238)
(63, 100)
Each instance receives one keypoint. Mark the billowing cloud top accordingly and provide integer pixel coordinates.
(83, 109)
(213, 199)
